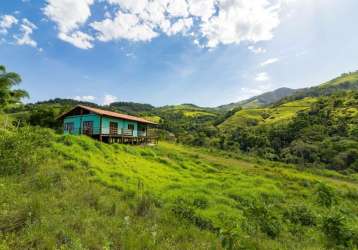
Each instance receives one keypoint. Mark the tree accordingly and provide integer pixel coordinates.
(8, 95)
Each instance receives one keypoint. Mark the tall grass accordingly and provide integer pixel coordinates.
(87, 195)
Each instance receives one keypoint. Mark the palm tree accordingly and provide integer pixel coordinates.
(8, 95)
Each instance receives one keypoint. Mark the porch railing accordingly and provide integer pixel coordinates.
(107, 131)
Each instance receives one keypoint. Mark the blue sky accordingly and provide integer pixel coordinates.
(206, 52)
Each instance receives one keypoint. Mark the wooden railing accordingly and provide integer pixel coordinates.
(105, 131)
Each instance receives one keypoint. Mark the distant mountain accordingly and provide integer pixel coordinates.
(345, 82)
(256, 112)
(260, 100)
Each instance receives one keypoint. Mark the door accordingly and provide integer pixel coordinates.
(88, 128)
(113, 128)
(131, 129)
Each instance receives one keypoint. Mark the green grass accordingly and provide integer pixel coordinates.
(92, 195)
(261, 116)
(350, 77)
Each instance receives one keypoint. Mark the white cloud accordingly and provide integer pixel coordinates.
(202, 8)
(269, 61)
(257, 50)
(241, 20)
(26, 29)
(124, 26)
(181, 25)
(178, 8)
(78, 38)
(6, 22)
(86, 98)
(210, 22)
(108, 99)
(69, 15)
(262, 77)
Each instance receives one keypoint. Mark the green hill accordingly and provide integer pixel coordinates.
(286, 107)
(345, 82)
(268, 116)
(261, 100)
(88, 195)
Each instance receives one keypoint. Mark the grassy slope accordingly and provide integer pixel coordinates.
(217, 187)
(351, 78)
(93, 195)
(262, 116)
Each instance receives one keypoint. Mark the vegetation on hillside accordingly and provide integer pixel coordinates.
(325, 135)
(260, 100)
(74, 192)
(345, 82)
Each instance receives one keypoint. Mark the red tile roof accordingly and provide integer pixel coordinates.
(112, 114)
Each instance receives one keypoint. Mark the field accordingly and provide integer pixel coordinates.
(89, 195)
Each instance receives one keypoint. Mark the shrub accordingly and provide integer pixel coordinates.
(337, 232)
(182, 209)
(325, 195)
(21, 150)
(262, 215)
(301, 215)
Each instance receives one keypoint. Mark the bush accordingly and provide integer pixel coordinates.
(21, 150)
(325, 195)
(268, 222)
(301, 215)
(338, 233)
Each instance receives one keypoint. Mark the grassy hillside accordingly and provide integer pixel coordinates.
(88, 195)
(270, 115)
(344, 78)
(345, 82)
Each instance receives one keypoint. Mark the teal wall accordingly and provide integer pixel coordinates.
(121, 124)
(79, 119)
(78, 122)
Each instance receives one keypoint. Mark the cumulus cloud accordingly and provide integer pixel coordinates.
(124, 26)
(86, 98)
(6, 22)
(108, 99)
(241, 20)
(26, 29)
(69, 15)
(209, 22)
(182, 25)
(78, 38)
(262, 77)
(269, 61)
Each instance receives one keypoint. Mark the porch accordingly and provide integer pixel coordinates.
(117, 135)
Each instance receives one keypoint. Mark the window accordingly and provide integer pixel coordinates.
(113, 128)
(69, 127)
(131, 126)
(88, 127)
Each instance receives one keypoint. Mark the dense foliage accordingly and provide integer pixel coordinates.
(325, 135)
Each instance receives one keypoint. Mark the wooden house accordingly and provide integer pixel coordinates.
(108, 126)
